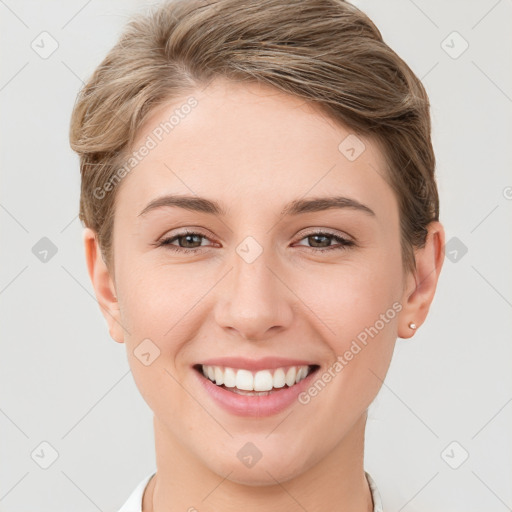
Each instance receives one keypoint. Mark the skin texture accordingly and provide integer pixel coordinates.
(253, 149)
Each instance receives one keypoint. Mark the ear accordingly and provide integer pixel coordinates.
(103, 285)
(421, 285)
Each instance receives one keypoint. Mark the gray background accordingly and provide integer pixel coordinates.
(63, 381)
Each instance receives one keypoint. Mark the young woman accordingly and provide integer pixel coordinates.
(262, 223)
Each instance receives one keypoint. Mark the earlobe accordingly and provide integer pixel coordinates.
(103, 285)
(421, 286)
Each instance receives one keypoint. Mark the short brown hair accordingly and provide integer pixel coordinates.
(325, 51)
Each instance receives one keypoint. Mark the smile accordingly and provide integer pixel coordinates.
(259, 383)
(245, 387)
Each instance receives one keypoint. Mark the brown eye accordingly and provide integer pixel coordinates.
(191, 242)
(320, 241)
(187, 242)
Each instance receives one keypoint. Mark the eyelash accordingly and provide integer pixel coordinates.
(167, 242)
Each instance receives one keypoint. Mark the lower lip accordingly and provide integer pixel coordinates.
(245, 405)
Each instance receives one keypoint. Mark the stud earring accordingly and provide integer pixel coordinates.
(412, 326)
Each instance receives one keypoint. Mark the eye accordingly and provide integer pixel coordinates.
(189, 245)
(191, 242)
(320, 238)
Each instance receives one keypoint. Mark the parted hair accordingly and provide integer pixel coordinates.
(327, 52)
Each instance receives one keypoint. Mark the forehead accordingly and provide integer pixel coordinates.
(249, 145)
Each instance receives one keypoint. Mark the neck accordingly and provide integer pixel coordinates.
(336, 483)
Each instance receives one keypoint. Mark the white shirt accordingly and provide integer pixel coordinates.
(134, 502)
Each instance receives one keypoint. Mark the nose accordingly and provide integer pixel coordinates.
(254, 302)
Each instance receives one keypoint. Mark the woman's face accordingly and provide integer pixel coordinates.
(268, 289)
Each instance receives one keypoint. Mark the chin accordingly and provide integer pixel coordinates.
(262, 476)
(277, 466)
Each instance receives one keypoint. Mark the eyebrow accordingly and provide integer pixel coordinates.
(296, 207)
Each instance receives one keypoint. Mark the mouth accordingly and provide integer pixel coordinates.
(249, 383)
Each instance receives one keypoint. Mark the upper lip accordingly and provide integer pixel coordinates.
(265, 363)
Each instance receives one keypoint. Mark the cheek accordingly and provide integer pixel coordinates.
(160, 311)
(156, 297)
(351, 297)
(358, 311)
(341, 299)
(358, 306)
(157, 311)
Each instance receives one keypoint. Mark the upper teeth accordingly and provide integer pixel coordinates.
(263, 380)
